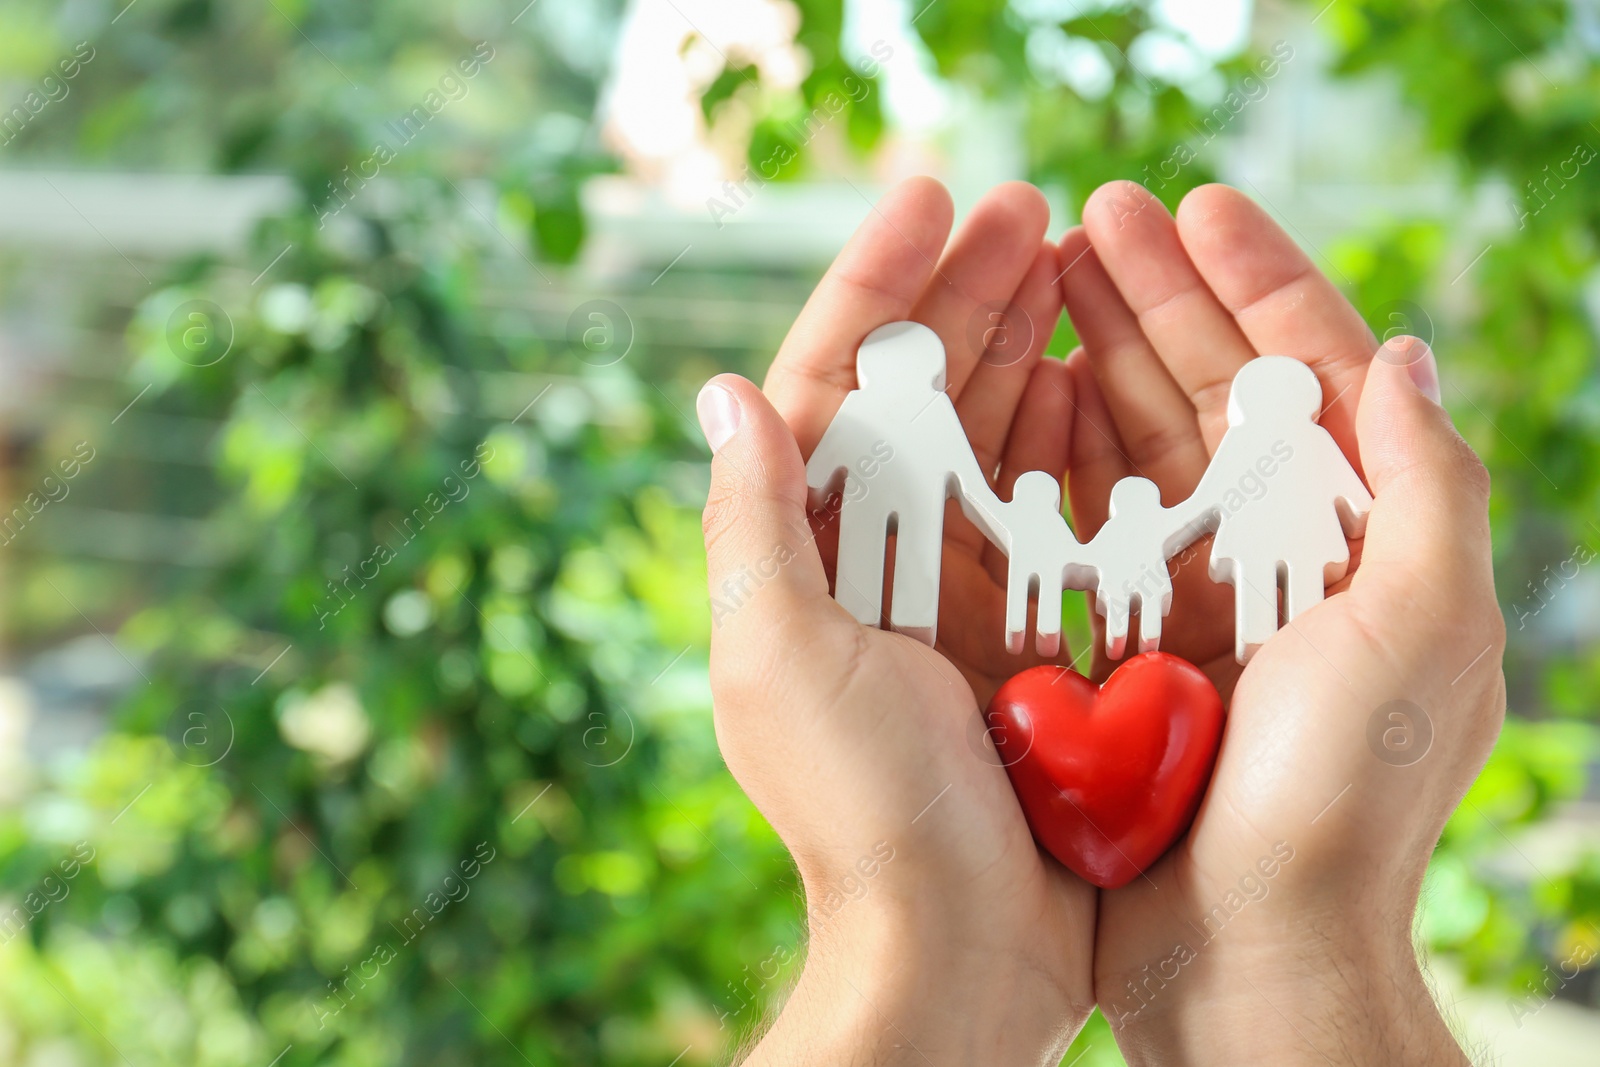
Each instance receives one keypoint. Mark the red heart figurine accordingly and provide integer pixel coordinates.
(1108, 776)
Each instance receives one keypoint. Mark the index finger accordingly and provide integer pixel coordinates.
(877, 278)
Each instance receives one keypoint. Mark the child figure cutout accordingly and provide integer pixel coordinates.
(1130, 554)
(902, 451)
(1045, 558)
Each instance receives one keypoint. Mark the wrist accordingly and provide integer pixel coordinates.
(882, 985)
(1316, 996)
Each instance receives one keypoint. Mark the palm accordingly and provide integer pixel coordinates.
(972, 619)
(982, 844)
(1278, 768)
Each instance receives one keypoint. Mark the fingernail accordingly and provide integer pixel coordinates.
(1424, 371)
(718, 410)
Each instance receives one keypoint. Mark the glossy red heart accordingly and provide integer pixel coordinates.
(1108, 776)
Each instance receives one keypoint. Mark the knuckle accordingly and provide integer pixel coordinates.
(1495, 623)
(1211, 395)
(721, 514)
(1172, 438)
(1468, 470)
(1484, 717)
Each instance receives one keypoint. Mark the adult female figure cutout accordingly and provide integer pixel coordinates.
(1280, 496)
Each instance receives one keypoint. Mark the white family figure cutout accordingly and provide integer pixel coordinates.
(902, 450)
(1278, 494)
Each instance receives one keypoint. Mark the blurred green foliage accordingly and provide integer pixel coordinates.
(488, 624)
(440, 638)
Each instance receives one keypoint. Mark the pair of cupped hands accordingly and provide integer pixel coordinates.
(1279, 929)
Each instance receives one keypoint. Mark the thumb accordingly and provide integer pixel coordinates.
(761, 556)
(1429, 526)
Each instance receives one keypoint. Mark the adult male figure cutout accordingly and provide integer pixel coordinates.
(900, 403)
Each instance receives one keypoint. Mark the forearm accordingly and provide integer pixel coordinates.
(1317, 1001)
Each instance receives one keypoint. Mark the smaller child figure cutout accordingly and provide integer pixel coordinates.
(1045, 558)
(1131, 556)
